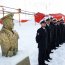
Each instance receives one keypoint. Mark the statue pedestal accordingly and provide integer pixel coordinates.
(20, 59)
(24, 62)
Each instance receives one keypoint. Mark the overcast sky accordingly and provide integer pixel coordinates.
(43, 6)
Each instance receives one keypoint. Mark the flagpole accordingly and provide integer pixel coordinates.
(3, 11)
(19, 11)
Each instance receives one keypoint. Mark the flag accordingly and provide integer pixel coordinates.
(38, 17)
(24, 20)
(58, 16)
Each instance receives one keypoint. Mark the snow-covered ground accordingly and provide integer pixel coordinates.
(58, 57)
(28, 47)
(27, 33)
(26, 44)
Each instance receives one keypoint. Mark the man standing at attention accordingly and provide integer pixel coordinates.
(41, 39)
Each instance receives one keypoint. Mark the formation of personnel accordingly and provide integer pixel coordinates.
(50, 36)
(8, 37)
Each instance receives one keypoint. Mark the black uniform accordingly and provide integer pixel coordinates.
(64, 33)
(62, 28)
(48, 41)
(58, 35)
(41, 39)
(53, 35)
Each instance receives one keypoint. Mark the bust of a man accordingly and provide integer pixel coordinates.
(8, 37)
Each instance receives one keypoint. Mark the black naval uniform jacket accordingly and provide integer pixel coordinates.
(48, 38)
(53, 35)
(62, 28)
(41, 38)
(58, 33)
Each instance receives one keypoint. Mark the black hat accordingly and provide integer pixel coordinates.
(54, 19)
(58, 21)
(42, 22)
(61, 20)
(48, 19)
(51, 17)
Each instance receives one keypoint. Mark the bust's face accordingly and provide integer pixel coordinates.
(11, 24)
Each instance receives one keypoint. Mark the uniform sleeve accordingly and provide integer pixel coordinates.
(38, 36)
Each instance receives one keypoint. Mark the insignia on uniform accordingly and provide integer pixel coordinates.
(37, 33)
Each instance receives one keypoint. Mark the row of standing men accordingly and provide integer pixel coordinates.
(49, 37)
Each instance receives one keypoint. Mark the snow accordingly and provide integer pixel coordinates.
(58, 56)
(27, 46)
(27, 32)
(12, 60)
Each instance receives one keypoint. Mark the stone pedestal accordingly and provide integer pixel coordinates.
(22, 58)
(26, 61)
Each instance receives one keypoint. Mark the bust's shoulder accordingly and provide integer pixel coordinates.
(16, 33)
(2, 34)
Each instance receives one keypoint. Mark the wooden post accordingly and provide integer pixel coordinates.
(19, 17)
(3, 11)
(19, 11)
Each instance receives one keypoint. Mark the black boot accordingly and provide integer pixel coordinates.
(50, 58)
(47, 60)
